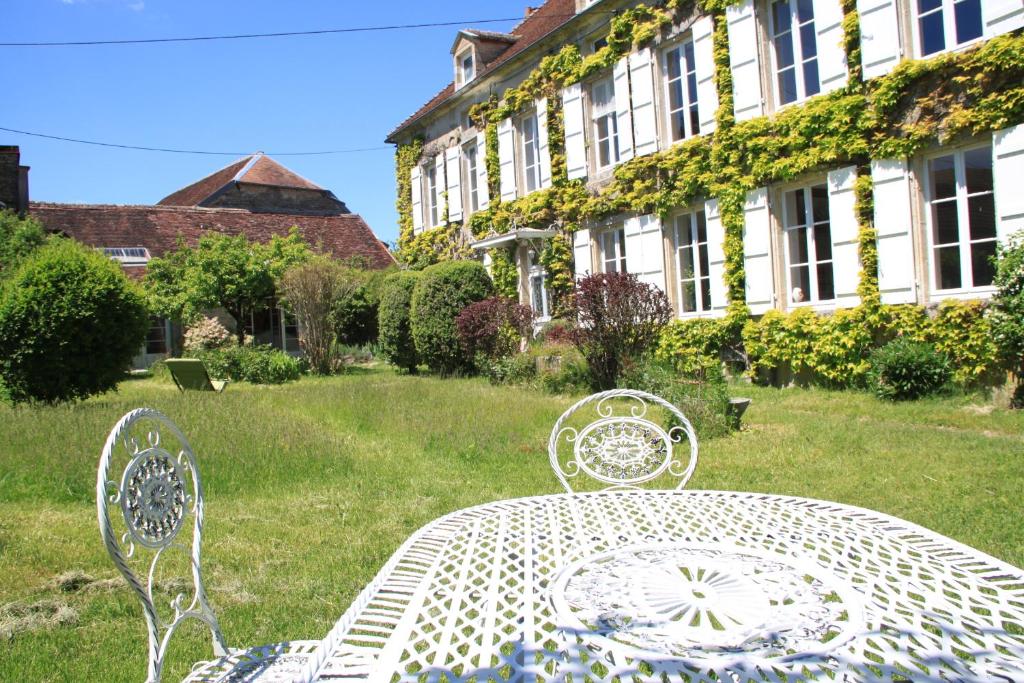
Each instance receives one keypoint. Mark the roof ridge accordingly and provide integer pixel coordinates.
(253, 158)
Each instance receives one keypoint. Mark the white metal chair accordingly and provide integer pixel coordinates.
(623, 447)
(150, 505)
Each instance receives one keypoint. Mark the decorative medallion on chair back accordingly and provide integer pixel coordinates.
(150, 505)
(617, 438)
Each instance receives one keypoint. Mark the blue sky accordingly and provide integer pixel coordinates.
(276, 94)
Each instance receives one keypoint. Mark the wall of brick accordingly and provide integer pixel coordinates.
(10, 165)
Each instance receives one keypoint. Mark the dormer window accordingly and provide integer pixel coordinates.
(465, 67)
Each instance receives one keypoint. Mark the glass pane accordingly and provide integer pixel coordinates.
(780, 16)
(672, 57)
(688, 55)
(683, 233)
(947, 223)
(694, 120)
(705, 294)
(537, 293)
(812, 84)
(702, 227)
(675, 95)
(982, 263)
(819, 203)
(686, 269)
(689, 297)
(981, 212)
(948, 266)
(943, 177)
(787, 86)
(932, 37)
(691, 87)
(968, 20)
(804, 10)
(679, 125)
(784, 50)
(826, 283)
(797, 245)
(822, 242)
(800, 283)
(808, 41)
(978, 166)
(704, 267)
(925, 5)
(614, 129)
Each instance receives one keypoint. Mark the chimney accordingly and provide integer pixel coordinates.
(530, 11)
(13, 179)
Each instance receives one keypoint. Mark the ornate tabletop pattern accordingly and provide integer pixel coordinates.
(681, 585)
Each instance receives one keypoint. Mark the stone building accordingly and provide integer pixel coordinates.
(938, 211)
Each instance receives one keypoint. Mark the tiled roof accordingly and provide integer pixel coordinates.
(550, 16)
(157, 228)
(257, 169)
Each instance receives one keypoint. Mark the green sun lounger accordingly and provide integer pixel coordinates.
(190, 373)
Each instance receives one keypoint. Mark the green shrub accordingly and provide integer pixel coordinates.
(395, 334)
(515, 369)
(906, 370)
(568, 375)
(356, 317)
(704, 400)
(1008, 310)
(693, 345)
(19, 237)
(437, 299)
(70, 324)
(254, 364)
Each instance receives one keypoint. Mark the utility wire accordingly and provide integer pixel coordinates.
(281, 34)
(191, 151)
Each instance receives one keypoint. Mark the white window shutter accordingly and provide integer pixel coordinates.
(1002, 16)
(704, 65)
(1007, 170)
(757, 252)
(453, 172)
(645, 118)
(645, 250)
(482, 191)
(440, 187)
(880, 49)
(575, 124)
(845, 235)
(716, 256)
(507, 159)
(744, 61)
(582, 253)
(894, 220)
(623, 113)
(416, 181)
(542, 142)
(828, 24)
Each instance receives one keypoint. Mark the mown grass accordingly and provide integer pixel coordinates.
(311, 486)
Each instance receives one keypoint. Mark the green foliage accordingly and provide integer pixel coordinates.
(253, 364)
(70, 324)
(437, 299)
(395, 333)
(504, 272)
(704, 400)
(1008, 310)
(206, 333)
(356, 318)
(19, 237)
(695, 345)
(222, 271)
(406, 158)
(906, 370)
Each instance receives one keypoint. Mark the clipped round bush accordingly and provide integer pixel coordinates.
(440, 295)
(394, 332)
(70, 324)
(906, 370)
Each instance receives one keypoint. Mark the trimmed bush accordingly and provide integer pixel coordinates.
(905, 370)
(395, 333)
(440, 295)
(254, 364)
(703, 399)
(1008, 311)
(493, 328)
(356, 319)
(70, 324)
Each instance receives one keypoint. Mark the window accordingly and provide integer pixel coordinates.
(465, 67)
(963, 221)
(433, 196)
(943, 24)
(690, 239)
(129, 256)
(682, 92)
(539, 300)
(613, 251)
(290, 327)
(531, 152)
(606, 131)
(469, 154)
(808, 245)
(156, 338)
(796, 50)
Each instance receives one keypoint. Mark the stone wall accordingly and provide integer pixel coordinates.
(270, 199)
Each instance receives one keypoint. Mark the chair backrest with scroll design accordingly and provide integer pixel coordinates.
(144, 517)
(623, 446)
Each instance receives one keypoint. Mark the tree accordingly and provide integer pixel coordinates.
(19, 237)
(222, 271)
(439, 296)
(70, 324)
(1008, 310)
(395, 332)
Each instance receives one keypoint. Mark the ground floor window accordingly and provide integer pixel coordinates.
(693, 276)
(613, 251)
(539, 300)
(807, 237)
(156, 338)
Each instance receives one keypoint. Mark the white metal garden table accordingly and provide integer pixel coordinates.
(680, 585)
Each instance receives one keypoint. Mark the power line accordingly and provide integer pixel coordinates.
(281, 34)
(190, 151)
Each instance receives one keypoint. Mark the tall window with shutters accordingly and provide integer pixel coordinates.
(471, 175)
(539, 300)
(433, 196)
(946, 24)
(807, 238)
(693, 270)
(612, 244)
(606, 131)
(530, 141)
(962, 218)
(795, 50)
(681, 83)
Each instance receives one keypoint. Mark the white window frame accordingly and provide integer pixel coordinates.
(605, 112)
(527, 146)
(433, 192)
(688, 223)
(811, 297)
(963, 220)
(947, 8)
(691, 100)
(536, 271)
(471, 159)
(798, 58)
(616, 239)
(461, 78)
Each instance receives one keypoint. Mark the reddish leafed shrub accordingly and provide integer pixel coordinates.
(493, 327)
(617, 318)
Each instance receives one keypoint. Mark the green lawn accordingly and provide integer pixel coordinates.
(310, 487)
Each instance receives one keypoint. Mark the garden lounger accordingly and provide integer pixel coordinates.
(190, 373)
